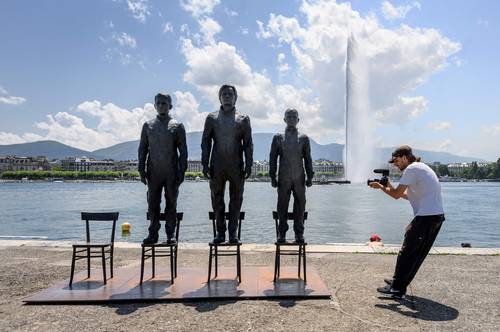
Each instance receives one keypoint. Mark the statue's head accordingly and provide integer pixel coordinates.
(291, 117)
(163, 103)
(228, 96)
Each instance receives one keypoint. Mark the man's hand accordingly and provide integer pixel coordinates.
(274, 183)
(206, 172)
(309, 182)
(376, 185)
(248, 172)
(144, 179)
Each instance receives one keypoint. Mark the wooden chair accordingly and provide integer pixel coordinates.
(226, 250)
(293, 249)
(88, 250)
(162, 250)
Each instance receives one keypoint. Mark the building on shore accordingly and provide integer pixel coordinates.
(13, 163)
(85, 164)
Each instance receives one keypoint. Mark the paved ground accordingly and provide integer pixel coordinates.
(452, 292)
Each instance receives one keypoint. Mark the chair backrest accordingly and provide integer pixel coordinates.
(211, 216)
(100, 216)
(290, 216)
(163, 217)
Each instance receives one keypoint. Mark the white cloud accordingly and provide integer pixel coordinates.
(492, 130)
(399, 59)
(125, 40)
(209, 28)
(186, 111)
(244, 31)
(440, 126)
(114, 125)
(198, 8)
(6, 98)
(283, 67)
(257, 95)
(444, 145)
(483, 22)
(392, 12)
(139, 9)
(230, 12)
(167, 27)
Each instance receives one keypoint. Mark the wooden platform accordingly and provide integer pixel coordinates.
(190, 284)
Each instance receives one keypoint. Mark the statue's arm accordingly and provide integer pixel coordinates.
(143, 150)
(308, 159)
(248, 146)
(273, 158)
(182, 147)
(206, 143)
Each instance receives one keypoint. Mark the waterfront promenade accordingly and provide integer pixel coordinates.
(456, 289)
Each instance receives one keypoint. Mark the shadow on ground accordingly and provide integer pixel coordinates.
(420, 308)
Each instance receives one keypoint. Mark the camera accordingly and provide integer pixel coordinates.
(385, 177)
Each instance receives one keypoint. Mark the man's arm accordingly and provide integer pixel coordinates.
(206, 145)
(183, 152)
(308, 161)
(143, 153)
(248, 147)
(396, 193)
(273, 160)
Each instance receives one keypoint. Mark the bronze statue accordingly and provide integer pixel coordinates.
(294, 152)
(162, 164)
(231, 135)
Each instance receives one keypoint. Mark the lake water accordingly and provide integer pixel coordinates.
(337, 213)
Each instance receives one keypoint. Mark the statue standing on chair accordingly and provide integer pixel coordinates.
(162, 164)
(294, 152)
(227, 136)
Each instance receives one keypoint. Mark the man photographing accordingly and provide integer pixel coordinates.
(420, 185)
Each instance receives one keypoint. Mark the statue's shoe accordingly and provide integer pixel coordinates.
(150, 239)
(219, 239)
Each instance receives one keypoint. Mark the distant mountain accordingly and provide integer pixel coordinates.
(261, 141)
(49, 149)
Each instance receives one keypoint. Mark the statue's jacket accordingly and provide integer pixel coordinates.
(162, 149)
(231, 134)
(294, 151)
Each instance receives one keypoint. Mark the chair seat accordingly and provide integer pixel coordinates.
(291, 243)
(224, 244)
(159, 245)
(91, 245)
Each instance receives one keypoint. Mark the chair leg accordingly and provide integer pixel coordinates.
(88, 262)
(209, 265)
(238, 263)
(172, 265)
(305, 274)
(142, 265)
(279, 261)
(216, 261)
(175, 261)
(275, 263)
(111, 262)
(72, 267)
(153, 261)
(300, 257)
(103, 265)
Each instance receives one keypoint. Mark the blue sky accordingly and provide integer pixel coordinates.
(85, 72)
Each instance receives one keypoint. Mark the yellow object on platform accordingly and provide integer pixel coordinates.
(126, 227)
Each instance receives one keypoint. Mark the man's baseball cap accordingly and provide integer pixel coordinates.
(403, 150)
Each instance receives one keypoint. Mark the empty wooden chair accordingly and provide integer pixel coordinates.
(89, 249)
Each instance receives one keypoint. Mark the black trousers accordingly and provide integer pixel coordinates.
(218, 181)
(171, 192)
(417, 243)
(285, 188)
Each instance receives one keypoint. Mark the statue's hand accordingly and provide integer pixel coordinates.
(309, 182)
(206, 172)
(180, 177)
(274, 183)
(144, 179)
(248, 172)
